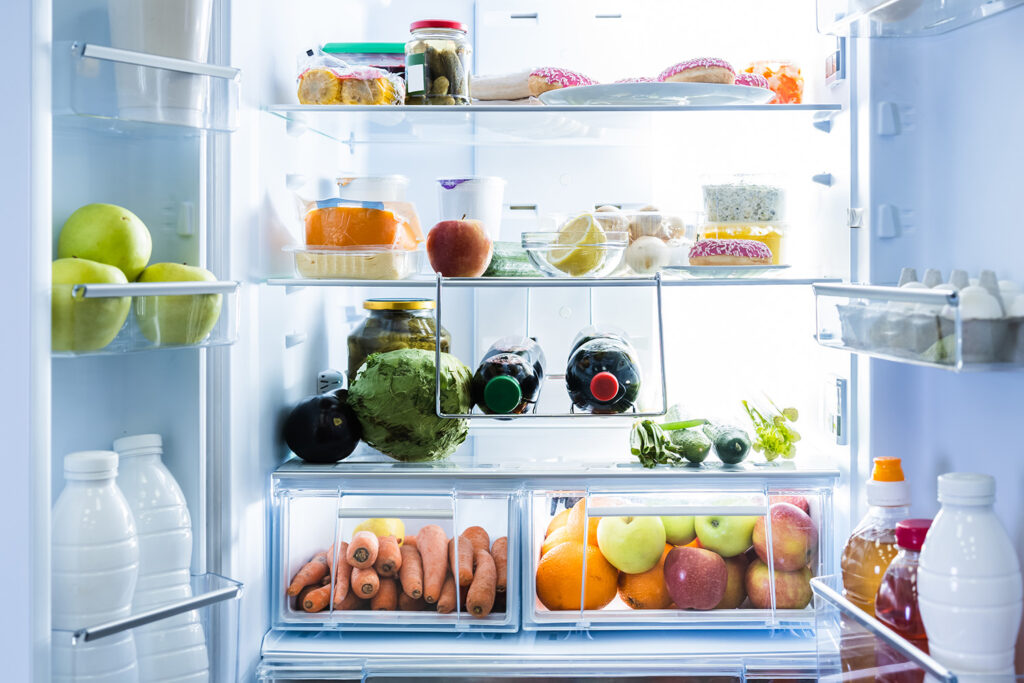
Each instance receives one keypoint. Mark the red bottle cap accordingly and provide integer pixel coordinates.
(910, 533)
(438, 23)
(604, 386)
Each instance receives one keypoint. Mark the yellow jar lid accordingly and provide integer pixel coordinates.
(399, 304)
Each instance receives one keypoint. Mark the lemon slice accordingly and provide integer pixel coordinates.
(579, 247)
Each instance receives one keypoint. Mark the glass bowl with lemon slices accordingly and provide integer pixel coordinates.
(580, 248)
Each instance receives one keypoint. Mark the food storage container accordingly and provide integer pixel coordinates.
(748, 198)
(356, 263)
(380, 188)
(478, 198)
(394, 324)
(387, 56)
(317, 507)
(771, 234)
(582, 259)
(437, 63)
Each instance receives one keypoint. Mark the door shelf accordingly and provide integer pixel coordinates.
(903, 18)
(112, 84)
(159, 316)
(211, 608)
(917, 326)
(497, 125)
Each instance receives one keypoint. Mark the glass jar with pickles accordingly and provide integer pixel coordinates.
(394, 324)
(437, 63)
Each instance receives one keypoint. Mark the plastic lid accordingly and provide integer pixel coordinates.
(437, 23)
(967, 488)
(910, 533)
(604, 386)
(130, 445)
(399, 304)
(365, 48)
(502, 394)
(887, 469)
(90, 465)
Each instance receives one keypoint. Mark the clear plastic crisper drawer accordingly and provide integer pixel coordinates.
(629, 578)
(316, 516)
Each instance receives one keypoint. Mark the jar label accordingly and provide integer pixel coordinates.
(415, 81)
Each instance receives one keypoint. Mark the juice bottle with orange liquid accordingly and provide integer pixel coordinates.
(896, 604)
(871, 548)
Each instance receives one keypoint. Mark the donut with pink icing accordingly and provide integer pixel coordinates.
(701, 70)
(753, 80)
(637, 79)
(730, 253)
(551, 78)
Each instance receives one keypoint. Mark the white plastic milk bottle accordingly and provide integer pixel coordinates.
(969, 581)
(94, 568)
(173, 648)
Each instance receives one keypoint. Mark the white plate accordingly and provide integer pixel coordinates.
(724, 272)
(658, 94)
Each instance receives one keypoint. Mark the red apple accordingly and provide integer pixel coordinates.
(696, 578)
(459, 248)
(792, 589)
(735, 585)
(794, 538)
(799, 501)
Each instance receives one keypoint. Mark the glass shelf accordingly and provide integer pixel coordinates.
(157, 316)
(500, 125)
(916, 326)
(115, 85)
(904, 18)
(547, 282)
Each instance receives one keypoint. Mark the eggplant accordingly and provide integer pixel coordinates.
(323, 429)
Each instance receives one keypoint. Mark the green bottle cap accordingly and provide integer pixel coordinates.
(502, 394)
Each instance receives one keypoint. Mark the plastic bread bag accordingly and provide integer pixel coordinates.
(325, 79)
(349, 223)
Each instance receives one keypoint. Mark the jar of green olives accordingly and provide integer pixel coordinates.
(437, 63)
(394, 324)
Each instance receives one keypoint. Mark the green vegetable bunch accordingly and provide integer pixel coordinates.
(649, 443)
(775, 436)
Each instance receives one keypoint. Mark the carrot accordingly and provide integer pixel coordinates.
(499, 551)
(481, 593)
(479, 538)
(342, 576)
(465, 560)
(407, 604)
(446, 603)
(365, 582)
(302, 596)
(310, 574)
(362, 551)
(433, 546)
(411, 573)
(389, 557)
(409, 541)
(352, 602)
(317, 599)
(326, 580)
(463, 594)
(387, 597)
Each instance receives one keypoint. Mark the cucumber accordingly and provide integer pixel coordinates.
(731, 443)
(691, 444)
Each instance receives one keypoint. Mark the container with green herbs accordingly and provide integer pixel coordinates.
(437, 63)
(394, 324)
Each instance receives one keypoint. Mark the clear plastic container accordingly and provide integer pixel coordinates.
(386, 56)
(749, 198)
(356, 263)
(896, 603)
(772, 235)
(381, 188)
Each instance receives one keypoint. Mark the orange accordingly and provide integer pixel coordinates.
(560, 574)
(695, 543)
(557, 522)
(574, 524)
(557, 537)
(646, 590)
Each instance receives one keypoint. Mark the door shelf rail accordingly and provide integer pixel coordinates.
(903, 18)
(915, 326)
(113, 84)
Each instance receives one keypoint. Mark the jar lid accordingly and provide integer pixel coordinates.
(399, 304)
(365, 48)
(438, 23)
(910, 533)
(967, 488)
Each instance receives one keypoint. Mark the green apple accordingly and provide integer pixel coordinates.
(632, 544)
(79, 324)
(679, 530)
(727, 535)
(107, 234)
(177, 320)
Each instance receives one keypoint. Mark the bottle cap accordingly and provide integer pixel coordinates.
(90, 465)
(139, 444)
(604, 386)
(502, 394)
(910, 533)
(967, 488)
(886, 488)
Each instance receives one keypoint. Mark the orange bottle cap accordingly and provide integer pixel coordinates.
(887, 469)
